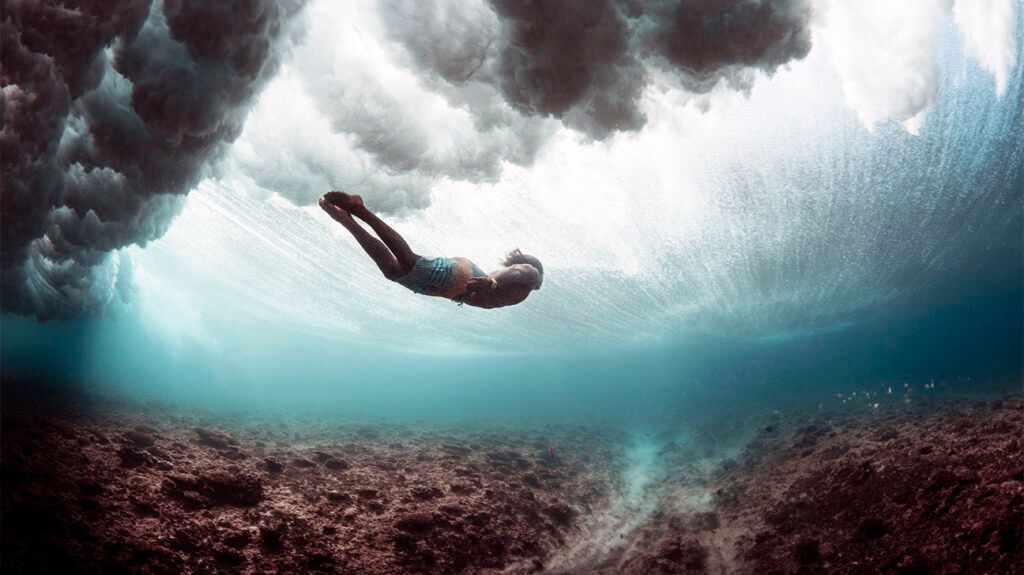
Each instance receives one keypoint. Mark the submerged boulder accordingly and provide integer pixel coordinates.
(213, 488)
(560, 513)
(139, 438)
(215, 439)
(132, 457)
(416, 523)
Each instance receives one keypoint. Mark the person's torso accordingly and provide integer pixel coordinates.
(462, 271)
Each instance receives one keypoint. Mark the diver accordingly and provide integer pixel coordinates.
(457, 278)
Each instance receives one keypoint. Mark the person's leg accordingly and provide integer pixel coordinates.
(395, 242)
(373, 247)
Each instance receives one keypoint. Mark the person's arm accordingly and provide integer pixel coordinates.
(481, 284)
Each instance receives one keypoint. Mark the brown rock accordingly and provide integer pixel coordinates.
(416, 523)
(139, 438)
(215, 439)
(132, 457)
(560, 513)
(215, 488)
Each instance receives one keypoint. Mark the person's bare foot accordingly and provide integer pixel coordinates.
(334, 211)
(347, 202)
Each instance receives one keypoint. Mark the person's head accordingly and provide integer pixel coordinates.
(517, 257)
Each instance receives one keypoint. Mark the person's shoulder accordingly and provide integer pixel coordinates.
(526, 268)
(529, 271)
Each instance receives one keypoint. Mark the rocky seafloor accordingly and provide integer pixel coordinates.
(935, 489)
(92, 486)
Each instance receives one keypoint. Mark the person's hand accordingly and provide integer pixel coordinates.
(334, 211)
(328, 206)
(481, 284)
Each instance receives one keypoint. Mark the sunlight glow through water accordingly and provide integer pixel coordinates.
(766, 242)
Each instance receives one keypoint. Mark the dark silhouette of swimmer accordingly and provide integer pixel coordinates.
(457, 279)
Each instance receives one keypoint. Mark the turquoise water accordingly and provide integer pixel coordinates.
(776, 253)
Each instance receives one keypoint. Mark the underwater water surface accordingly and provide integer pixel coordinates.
(771, 249)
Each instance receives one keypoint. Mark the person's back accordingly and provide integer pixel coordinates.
(455, 278)
(509, 285)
